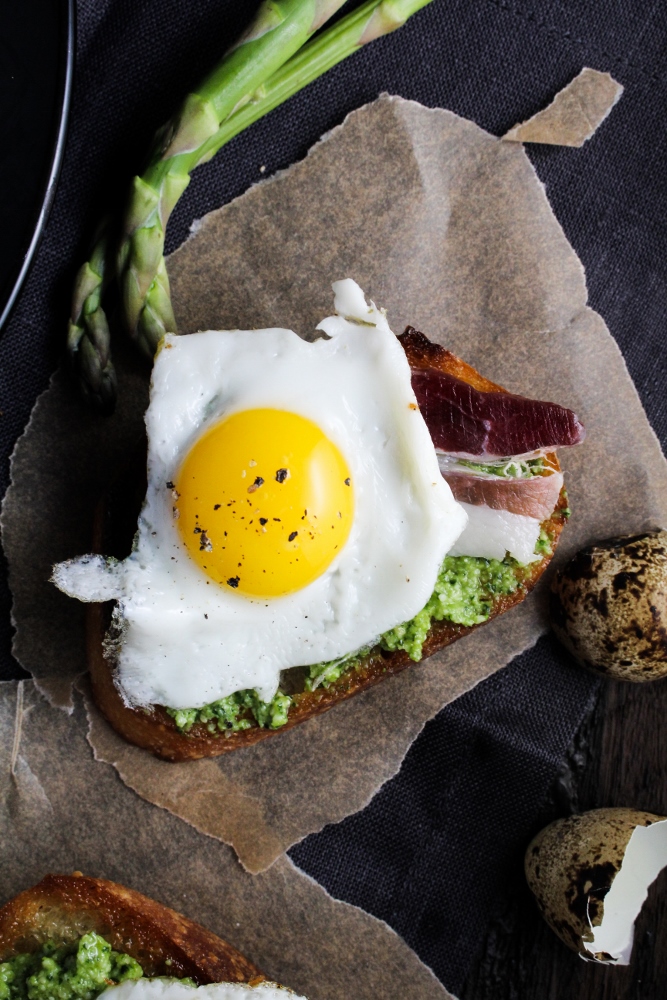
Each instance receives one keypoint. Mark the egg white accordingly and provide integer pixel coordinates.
(188, 641)
(174, 989)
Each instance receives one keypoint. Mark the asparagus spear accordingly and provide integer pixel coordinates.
(88, 340)
(279, 30)
(232, 104)
(373, 19)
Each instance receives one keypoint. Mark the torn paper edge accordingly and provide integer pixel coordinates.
(198, 224)
(544, 116)
(45, 691)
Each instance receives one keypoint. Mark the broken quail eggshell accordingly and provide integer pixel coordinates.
(590, 875)
(609, 606)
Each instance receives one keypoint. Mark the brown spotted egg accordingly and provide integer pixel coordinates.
(609, 606)
(570, 866)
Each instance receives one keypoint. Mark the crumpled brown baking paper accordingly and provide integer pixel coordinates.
(574, 114)
(450, 230)
(60, 811)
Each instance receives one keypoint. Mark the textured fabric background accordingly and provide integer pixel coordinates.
(430, 853)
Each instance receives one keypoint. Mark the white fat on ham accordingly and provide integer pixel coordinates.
(491, 534)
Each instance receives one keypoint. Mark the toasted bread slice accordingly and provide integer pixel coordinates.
(61, 908)
(154, 729)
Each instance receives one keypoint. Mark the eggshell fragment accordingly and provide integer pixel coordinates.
(609, 606)
(590, 875)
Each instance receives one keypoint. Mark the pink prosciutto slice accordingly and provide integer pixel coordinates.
(467, 418)
(533, 497)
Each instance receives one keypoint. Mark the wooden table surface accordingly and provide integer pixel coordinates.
(619, 759)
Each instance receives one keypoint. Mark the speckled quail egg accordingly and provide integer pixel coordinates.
(590, 875)
(609, 606)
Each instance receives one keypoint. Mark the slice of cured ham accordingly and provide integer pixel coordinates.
(533, 497)
(469, 416)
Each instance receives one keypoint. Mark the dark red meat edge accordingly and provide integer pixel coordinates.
(493, 424)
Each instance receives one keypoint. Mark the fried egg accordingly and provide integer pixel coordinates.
(295, 510)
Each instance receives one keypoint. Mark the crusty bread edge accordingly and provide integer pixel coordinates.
(61, 908)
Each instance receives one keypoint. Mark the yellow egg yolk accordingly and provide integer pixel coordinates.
(264, 502)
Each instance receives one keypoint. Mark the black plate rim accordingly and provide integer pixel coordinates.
(56, 163)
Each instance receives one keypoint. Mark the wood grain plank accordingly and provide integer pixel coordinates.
(619, 759)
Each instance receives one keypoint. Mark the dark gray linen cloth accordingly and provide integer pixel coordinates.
(432, 852)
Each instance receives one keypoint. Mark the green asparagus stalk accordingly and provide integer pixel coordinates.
(88, 341)
(278, 31)
(370, 21)
(191, 139)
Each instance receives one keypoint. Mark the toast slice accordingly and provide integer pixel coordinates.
(62, 908)
(155, 730)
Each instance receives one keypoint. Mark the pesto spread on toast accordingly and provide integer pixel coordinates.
(464, 594)
(77, 971)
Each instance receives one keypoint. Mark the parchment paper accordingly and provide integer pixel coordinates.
(574, 114)
(61, 811)
(450, 229)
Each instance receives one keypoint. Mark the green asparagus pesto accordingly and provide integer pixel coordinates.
(230, 714)
(514, 468)
(543, 546)
(78, 971)
(464, 594)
